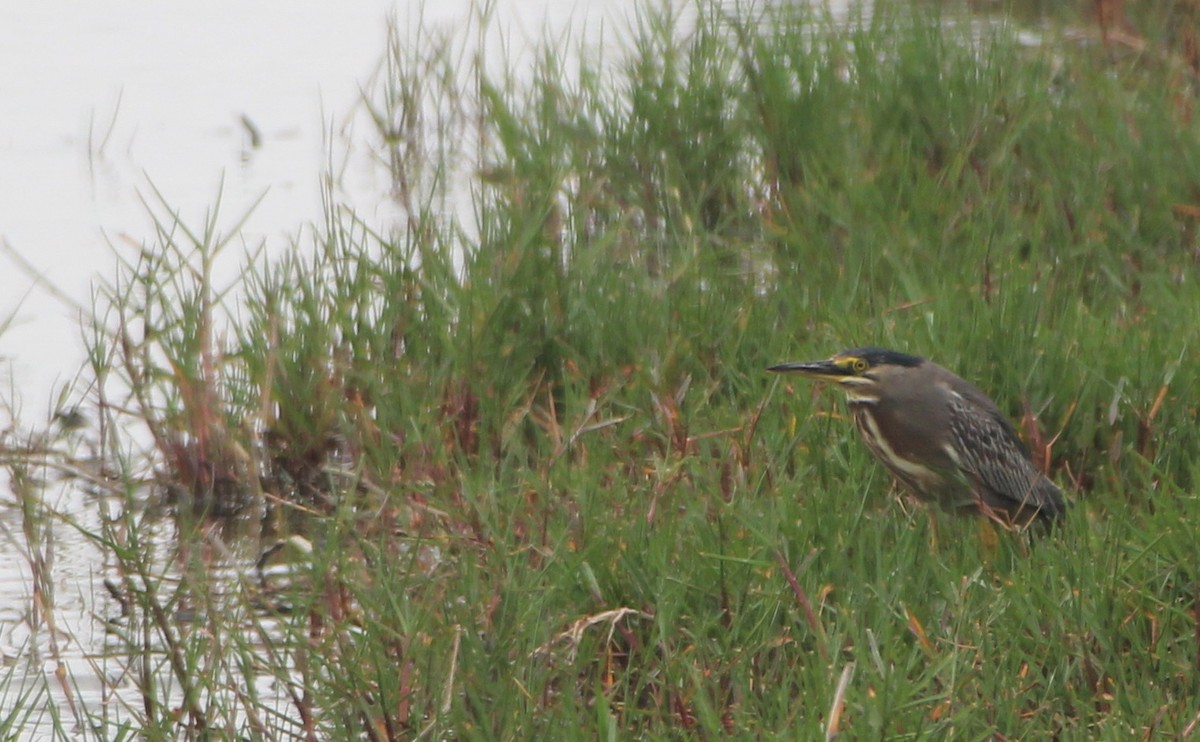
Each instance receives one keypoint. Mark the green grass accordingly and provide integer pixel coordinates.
(549, 488)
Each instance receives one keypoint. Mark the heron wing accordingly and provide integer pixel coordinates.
(996, 461)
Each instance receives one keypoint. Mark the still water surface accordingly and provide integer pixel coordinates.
(103, 103)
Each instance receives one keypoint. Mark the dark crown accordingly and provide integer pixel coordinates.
(884, 357)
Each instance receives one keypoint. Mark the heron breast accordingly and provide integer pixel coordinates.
(924, 481)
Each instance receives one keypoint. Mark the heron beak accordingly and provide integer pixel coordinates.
(820, 369)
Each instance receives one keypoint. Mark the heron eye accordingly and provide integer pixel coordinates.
(859, 365)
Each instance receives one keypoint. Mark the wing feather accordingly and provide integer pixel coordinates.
(997, 462)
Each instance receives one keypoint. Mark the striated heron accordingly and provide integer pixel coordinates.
(939, 435)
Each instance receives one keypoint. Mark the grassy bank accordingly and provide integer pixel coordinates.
(526, 465)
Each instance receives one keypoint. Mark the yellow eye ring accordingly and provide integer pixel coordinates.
(859, 365)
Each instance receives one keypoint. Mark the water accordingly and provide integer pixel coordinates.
(115, 101)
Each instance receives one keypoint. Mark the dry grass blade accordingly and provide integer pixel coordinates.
(574, 635)
(833, 728)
